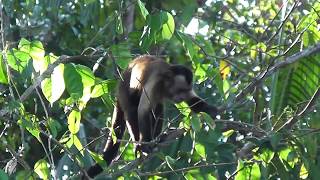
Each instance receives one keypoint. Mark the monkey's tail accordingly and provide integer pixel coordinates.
(111, 148)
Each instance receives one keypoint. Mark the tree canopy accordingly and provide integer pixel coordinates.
(258, 61)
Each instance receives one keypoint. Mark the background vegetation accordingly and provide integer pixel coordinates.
(257, 60)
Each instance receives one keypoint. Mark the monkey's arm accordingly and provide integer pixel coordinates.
(199, 105)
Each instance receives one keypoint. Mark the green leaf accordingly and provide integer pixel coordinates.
(144, 12)
(18, 60)
(226, 88)
(86, 74)
(98, 159)
(168, 26)
(77, 143)
(195, 123)
(24, 45)
(37, 54)
(30, 123)
(100, 89)
(247, 170)
(54, 86)
(122, 53)
(36, 51)
(74, 121)
(183, 108)
(201, 150)
(170, 161)
(73, 81)
(201, 72)
(42, 169)
(187, 44)
(54, 126)
(208, 120)
(266, 155)
(3, 72)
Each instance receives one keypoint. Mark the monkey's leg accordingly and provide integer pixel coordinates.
(111, 148)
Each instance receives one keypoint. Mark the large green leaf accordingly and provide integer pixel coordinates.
(160, 27)
(73, 81)
(247, 170)
(18, 60)
(74, 121)
(42, 169)
(298, 82)
(77, 79)
(168, 25)
(54, 86)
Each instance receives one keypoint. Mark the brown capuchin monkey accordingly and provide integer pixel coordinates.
(146, 83)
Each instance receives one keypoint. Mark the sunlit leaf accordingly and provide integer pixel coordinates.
(303, 172)
(37, 54)
(266, 155)
(201, 150)
(168, 25)
(42, 169)
(184, 108)
(226, 88)
(247, 170)
(201, 72)
(3, 73)
(24, 45)
(98, 158)
(54, 86)
(224, 69)
(77, 143)
(86, 74)
(100, 89)
(74, 121)
(144, 12)
(18, 60)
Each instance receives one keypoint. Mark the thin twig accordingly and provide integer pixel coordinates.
(293, 120)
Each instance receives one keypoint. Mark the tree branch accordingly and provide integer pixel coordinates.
(295, 119)
(269, 71)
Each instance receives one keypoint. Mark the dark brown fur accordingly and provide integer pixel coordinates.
(146, 84)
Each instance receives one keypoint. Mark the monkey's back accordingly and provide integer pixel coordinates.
(136, 76)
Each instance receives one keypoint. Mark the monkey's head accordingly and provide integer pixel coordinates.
(179, 86)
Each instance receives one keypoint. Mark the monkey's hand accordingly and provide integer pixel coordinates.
(212, 111)
(144, 149)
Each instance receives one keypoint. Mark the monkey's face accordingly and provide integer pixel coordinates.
(179, 90)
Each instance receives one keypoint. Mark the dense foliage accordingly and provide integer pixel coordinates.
(258, 61)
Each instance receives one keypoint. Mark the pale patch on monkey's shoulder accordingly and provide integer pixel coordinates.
(136, 76)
